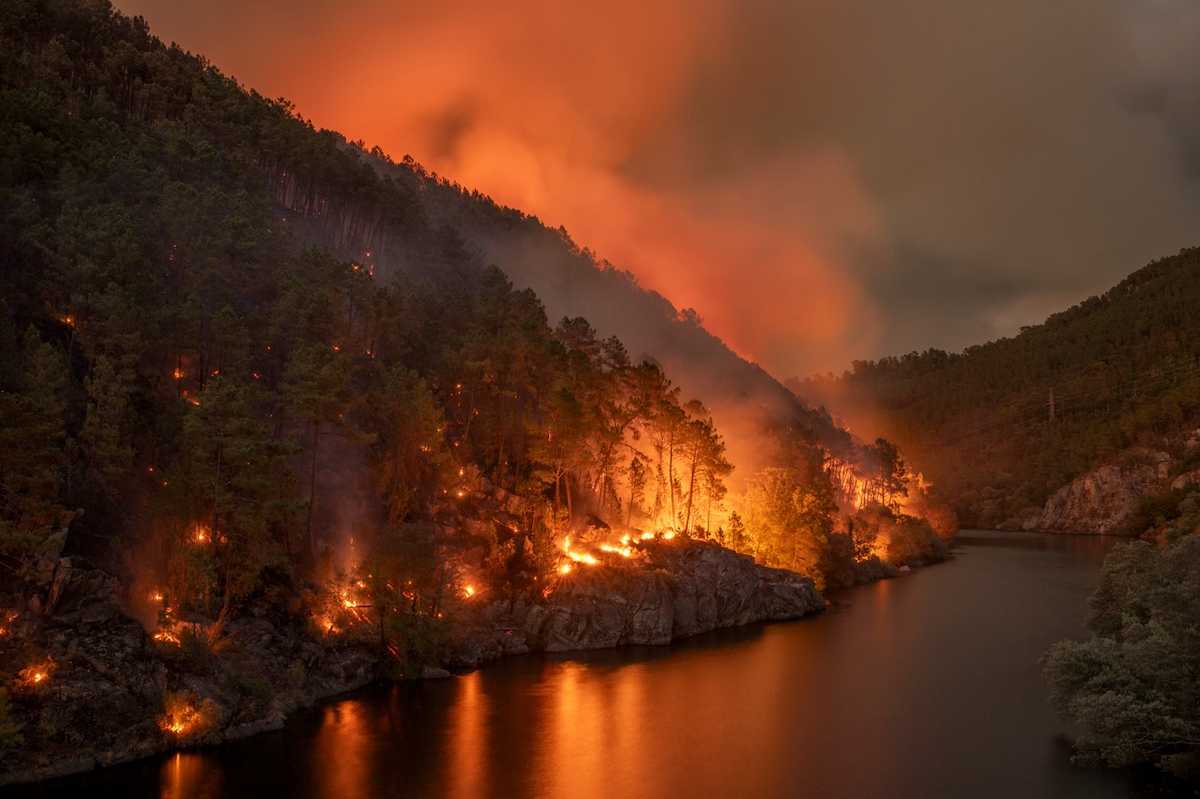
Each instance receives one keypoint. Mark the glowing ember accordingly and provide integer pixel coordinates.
(201, 536)
(668, 535)
(36, 674)
(68, 320)
(624, 551)
(468, 590)
(166, 637)
(460, 493)
(326, 625)
(647, 536)
(177, 373)
(564, 568)
(156, 597)
(180, 719)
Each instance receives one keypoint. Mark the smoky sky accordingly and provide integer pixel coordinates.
(821, 181)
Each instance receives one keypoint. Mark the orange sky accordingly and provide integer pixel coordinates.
(560, 110)
(820, 179)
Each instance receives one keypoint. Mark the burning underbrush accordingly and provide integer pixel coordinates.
(186, 718)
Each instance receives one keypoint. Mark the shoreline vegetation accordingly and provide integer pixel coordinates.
(683, 589)
(276, 426)
(1130, 686)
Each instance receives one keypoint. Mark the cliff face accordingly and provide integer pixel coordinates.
(109, 686)
(1105, 500)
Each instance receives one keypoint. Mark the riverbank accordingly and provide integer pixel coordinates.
(921, 687)
(112, 693)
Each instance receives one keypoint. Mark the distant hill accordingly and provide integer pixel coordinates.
(1002, 425)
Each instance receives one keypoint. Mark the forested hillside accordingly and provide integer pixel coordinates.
(1001, 426)
(236, 346)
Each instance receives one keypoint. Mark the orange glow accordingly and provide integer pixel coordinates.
(166, 637)
(177, 373)
(201, 536)
(181, 718)
(156, 597)
(623, 551)
(36, 674)
(564, 568)
(469, 590)
(68, 320)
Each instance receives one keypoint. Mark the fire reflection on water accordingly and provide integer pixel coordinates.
(341, 758)
(467, 739)
(189, 775)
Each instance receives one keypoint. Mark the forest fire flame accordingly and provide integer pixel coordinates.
(180, 719)
(6, 621)
(36, 675)
(201, 535)
(166, 637)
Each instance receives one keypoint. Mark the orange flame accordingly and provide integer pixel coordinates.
(36, 674)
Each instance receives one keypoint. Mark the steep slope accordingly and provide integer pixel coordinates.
(1000, 427)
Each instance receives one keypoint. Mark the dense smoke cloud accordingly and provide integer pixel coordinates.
(819, 180)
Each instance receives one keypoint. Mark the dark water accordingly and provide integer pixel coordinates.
(924, 686)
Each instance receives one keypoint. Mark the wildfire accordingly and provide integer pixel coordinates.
(201, 536)
(468, 591)
(166, 637)
(6, 620)
(36, 674)
(177, 373)
(564, 569)
(180, 719)
(623, 551)
(68, 320)
(156, 597)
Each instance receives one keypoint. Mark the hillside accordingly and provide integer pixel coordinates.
(1002, 426)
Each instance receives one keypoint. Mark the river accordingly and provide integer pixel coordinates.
(923, 686)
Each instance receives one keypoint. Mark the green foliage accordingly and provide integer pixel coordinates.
(1123, 368)
(33, 469)
(1132, 686)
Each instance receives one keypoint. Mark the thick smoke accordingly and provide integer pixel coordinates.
(820, 180)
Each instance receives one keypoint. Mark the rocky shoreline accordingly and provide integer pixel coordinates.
(109, 687)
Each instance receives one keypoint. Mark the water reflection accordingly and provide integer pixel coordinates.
(924, 686)
(186, 775)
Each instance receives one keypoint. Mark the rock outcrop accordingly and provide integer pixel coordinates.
(1102, 500)
(108, 695)
(666, 592)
